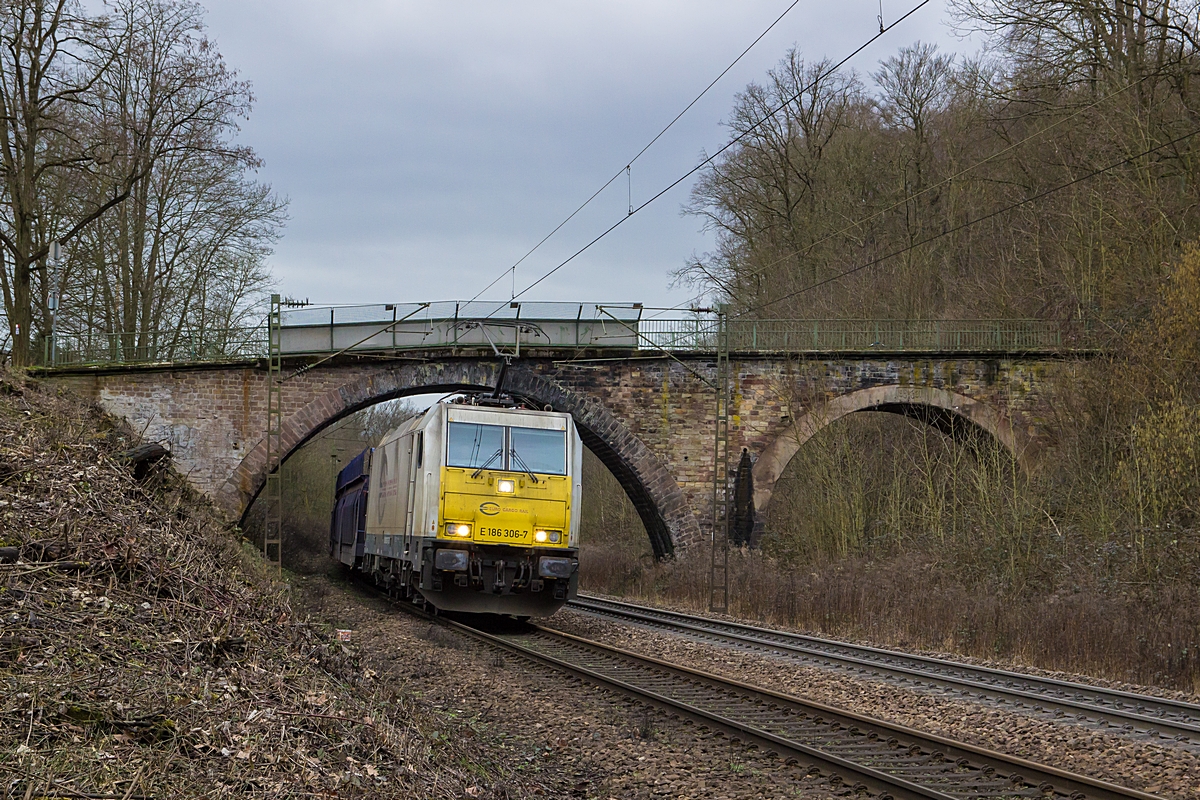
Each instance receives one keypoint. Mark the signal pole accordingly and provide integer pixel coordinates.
(55, 262)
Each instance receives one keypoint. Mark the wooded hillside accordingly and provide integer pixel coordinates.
(1052, 176)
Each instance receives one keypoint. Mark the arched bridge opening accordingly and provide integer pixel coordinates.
(651, 489)
(964, 419)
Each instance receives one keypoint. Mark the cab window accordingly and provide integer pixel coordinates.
(473, 446)
(538, 450)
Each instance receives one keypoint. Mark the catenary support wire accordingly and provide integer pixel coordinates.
(709, 159)
(639, 153)
(962, 226)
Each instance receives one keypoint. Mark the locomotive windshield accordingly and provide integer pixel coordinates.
(539, 450)
(475, 446)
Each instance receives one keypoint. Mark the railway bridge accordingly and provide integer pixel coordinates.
(642, 390)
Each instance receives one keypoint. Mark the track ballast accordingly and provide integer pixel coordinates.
(860, 753)
(1108, 708)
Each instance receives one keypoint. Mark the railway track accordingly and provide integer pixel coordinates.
(1106, 708)
(851, 751)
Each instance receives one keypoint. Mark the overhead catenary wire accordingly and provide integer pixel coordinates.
(709, 158)
(629, 164)
(728, 288)
(933, 187)
(962, 226)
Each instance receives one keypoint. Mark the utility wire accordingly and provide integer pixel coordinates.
(728, 288)
(876, 261)
(933, 187)
(708, 159)
(625, 169)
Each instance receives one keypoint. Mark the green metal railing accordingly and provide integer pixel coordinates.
(678, 335)
(861, 336)
(213, 344)
(1002, 336)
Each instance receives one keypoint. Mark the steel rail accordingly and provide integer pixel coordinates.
(1152, 715)
(849, 749)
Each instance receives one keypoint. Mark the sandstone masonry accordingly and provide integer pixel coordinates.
(649, 419)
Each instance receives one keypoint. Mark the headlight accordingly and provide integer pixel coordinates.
(458, 529)
(554, 567)
(540, 536)
(507, 487)
(554, 537)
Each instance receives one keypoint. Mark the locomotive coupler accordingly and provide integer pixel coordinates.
(521, 579)
(498, 587)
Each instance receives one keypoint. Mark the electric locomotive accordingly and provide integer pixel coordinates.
(472, 506)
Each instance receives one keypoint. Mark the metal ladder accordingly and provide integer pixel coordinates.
(718, 574)
(273, 518)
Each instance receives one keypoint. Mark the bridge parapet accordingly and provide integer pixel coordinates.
(625, 327)
(424, 326)
(873, 336)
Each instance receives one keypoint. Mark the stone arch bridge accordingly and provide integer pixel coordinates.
(646, 411)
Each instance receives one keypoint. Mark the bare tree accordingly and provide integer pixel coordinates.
(195, 230)
(48, 66)
(916, 87)
(118, 140)
(900, 188)
(770, 198)
(1097, 41)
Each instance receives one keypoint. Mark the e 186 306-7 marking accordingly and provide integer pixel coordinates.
(503, 533)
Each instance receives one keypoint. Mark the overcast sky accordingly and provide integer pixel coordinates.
(426, 146)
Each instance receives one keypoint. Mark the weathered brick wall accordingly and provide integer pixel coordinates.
(780, 405)
(210, 419)
(777, 403)
(650, 419)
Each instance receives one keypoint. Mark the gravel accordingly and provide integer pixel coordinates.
(1011, 666)
(553, 735)
(1158, 768)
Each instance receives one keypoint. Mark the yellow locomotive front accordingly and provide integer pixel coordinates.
(507, 503)
(489, 519)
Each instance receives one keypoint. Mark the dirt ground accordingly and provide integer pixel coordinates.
(554, 736)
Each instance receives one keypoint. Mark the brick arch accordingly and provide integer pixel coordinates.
(644, 477)
(939, 408)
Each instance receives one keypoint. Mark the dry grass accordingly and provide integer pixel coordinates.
(143, 651)
(883, 530)
(911, 602)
